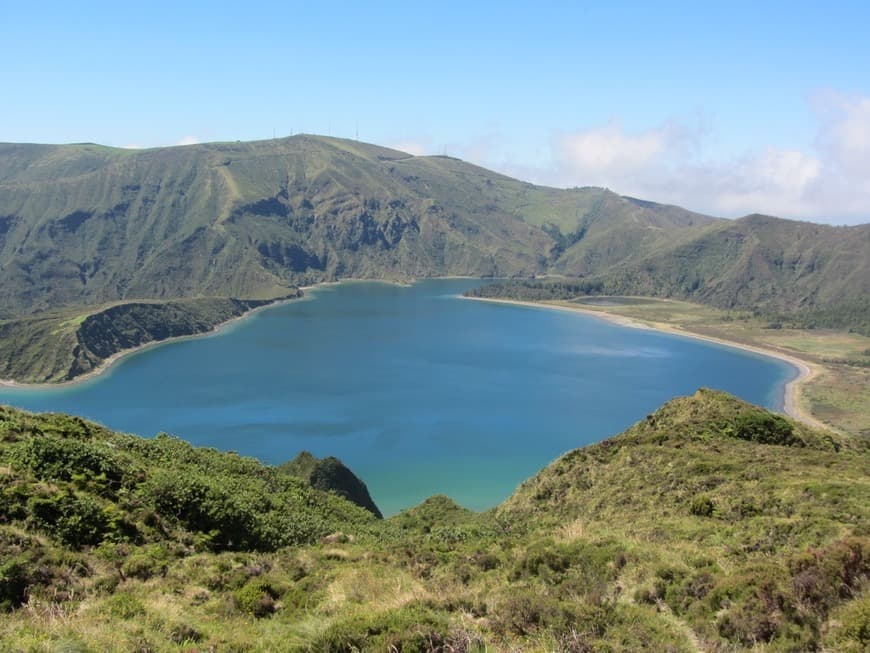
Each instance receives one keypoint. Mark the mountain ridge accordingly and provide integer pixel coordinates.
(387, 213)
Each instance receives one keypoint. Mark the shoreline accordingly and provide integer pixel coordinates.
(107, 363)
(792, 407)
(805, 370)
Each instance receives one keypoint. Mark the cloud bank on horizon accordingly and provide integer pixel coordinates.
(828, 182)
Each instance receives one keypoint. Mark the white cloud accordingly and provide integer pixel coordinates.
(608, 150)
(133, 146)
(827, 181)
(416, 148)
(188, 140)
(844, 136)
(479, 150)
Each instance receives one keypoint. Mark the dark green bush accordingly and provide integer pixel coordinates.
(522, 612)
(702, 506)
(549, 561)
(410, 629)
(823, 578)
(256, 598)
(181, 633)
(146, 563)
(855, 625)
(14, 580)
(66, 459)
(74, 520)
(765, 428)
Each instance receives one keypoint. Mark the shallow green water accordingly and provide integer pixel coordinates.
(417, 390)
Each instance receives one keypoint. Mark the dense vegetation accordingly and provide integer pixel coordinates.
(537, 290)
(710, 525)
(60, 346)
(333, 475)
(760, 263)
(850, 314)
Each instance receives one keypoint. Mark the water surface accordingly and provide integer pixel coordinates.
(417, 390)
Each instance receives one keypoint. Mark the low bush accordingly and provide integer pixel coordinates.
(14, 580)
(765, 428)
(256, 598)
(702, 506)
(146, 563)
(74, 520)
(123, 605)
(410, 629)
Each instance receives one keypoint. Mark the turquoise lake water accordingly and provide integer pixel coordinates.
(416, 389)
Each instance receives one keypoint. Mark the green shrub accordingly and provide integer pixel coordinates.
(66, 459)
(702, 506)
(14, 580)
(146, 563)
(765, 428)
(410, 629)
(74, 520)
(181, 633)
(522, 612)
(256, 598)
(123, 605)
(588, 564)
(823, 578)
(853, 633)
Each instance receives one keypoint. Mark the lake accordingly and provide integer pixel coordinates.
(417, 390)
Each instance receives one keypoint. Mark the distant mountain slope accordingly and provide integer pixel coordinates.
(86, 224)
(764, 259)
(808, 274)
(757, 261)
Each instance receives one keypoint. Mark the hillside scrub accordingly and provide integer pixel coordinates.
(711, 524)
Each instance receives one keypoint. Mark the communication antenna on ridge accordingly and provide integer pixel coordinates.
(357, 130)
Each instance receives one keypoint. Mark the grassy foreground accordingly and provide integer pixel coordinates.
(710, 525)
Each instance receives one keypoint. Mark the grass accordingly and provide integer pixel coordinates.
(690, 531)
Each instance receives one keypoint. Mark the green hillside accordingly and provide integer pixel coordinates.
(85, 224)
(710, 525)
(757, 261)
(796, 273)
(63, 345)
(331, 474)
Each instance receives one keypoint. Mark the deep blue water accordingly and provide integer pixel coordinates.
(417, 390)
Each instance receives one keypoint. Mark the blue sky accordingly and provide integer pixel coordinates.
(729, 109)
